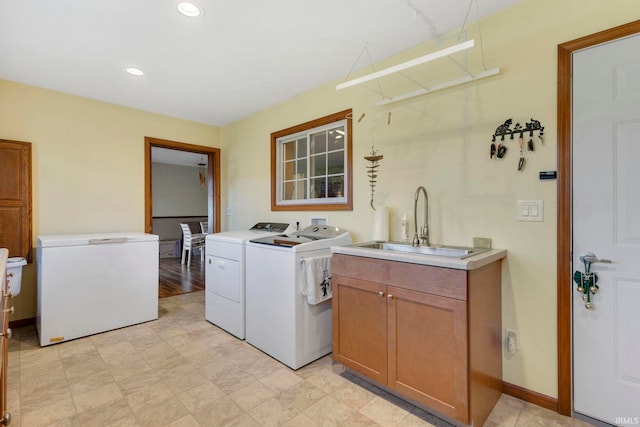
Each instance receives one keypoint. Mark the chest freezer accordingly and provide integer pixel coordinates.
(92, 283)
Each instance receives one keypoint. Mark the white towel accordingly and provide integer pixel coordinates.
(317, 279)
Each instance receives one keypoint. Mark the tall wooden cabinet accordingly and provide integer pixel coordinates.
(15, 198)
(430, 334)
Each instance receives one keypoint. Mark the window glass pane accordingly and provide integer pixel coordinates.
(336, 139)
(288, 190)
(302, 147)
(295, 190)
(289, 150)
(335, 186)
(318, 165)
(318, 143)
(318, 188)
(301, 190)
(336, 162)
(301, 168)
(288, 171)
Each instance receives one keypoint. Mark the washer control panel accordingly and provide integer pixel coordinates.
(316, 232)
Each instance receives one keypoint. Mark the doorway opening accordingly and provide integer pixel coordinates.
(177, 278)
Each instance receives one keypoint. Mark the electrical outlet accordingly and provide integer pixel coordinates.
(319, 220)
(512, 340)
(229, 211)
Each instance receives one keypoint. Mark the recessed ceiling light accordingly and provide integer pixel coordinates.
(135, 71)
(189, 9)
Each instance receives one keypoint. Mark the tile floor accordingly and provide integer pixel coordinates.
(183, 371)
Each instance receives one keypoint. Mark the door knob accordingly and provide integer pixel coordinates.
(590, 257)
(390, 296)
(381, 293)
(587, 281)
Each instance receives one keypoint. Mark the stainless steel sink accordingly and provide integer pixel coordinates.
(437, 250)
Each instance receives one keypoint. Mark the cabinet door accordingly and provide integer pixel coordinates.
(15, 198)
(360, 326)
(427, 350)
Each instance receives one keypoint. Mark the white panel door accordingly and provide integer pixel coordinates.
(606, 222)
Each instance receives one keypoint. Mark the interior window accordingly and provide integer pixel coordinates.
(311, 165)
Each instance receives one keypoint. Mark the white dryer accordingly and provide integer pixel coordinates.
(280, 322)
(225, 274)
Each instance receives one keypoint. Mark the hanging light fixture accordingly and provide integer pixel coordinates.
(202, 173)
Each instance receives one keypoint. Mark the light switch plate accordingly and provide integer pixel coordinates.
(530, 210)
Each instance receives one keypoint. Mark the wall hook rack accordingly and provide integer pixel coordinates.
(505, 129)
(529, 127)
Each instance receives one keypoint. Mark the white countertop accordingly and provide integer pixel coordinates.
(469, 263)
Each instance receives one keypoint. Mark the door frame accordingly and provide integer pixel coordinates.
(213, 179)
(565, 185)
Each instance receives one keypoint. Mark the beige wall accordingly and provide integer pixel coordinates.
(88, 163)
(442, 141)
(177, 191)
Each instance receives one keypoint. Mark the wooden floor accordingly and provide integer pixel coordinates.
(176, 279)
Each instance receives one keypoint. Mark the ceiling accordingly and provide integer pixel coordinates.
(237, 58)
(178, 157)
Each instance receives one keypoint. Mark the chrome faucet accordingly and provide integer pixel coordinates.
(424, 230)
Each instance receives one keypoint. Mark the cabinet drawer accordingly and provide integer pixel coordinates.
(423, 278)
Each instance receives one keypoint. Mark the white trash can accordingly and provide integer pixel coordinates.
(14, 274)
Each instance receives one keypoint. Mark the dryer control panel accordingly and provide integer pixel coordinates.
(275, 227)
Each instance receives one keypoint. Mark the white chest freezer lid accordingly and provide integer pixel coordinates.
(57, 240)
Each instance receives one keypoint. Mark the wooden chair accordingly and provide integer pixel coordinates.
(189, 242)
(204, 227)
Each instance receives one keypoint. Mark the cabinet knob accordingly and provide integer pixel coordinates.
(390, 296)
(381, 293)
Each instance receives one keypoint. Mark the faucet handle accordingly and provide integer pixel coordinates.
(424, 234)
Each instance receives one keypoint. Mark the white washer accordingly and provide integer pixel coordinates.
(279, 320)
(225, 275)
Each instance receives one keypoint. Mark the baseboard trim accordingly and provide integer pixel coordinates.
(530, 396)
(22, 322)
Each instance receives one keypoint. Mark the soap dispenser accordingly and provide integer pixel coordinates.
(405, 228)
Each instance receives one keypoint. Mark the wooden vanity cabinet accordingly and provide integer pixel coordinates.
(430, 334)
